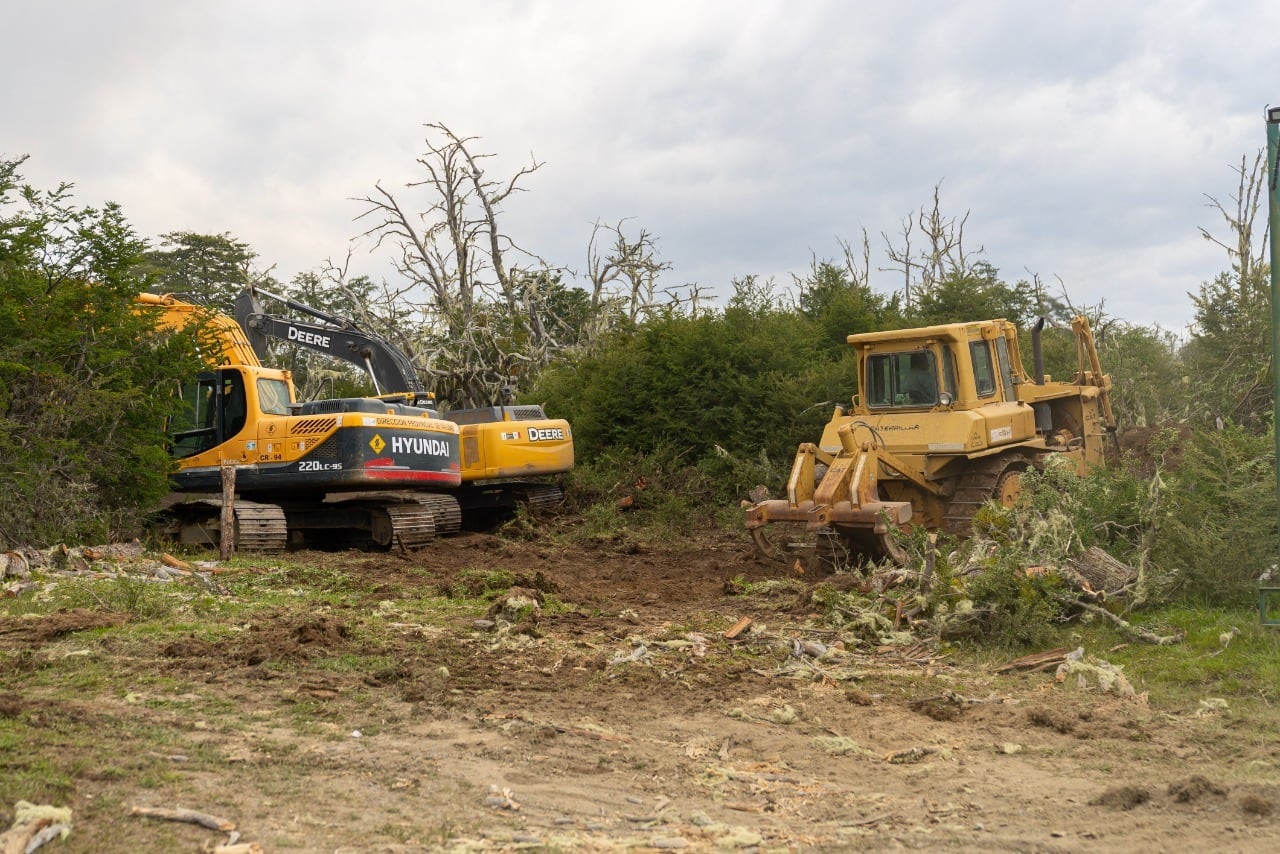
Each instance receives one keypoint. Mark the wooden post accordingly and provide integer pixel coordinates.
(930, 562)
(227, 538)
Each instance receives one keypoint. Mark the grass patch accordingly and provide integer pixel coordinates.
(479, 583)
(1243, 669)
(1213, 660)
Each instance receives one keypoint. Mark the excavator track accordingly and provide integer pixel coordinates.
(412, 526)
(445, 512)
(541, 497)
(260, 527)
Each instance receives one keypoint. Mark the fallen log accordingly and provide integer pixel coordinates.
(175, 562)
(1102, 572)
(190, 816)
(1035, 662)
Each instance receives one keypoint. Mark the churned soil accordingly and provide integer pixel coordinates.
(599, 705)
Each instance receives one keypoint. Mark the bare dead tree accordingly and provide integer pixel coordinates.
(858, 266)
(1232, 329)
(482, 324)
(631, 265)
(903, 258)
(698, 295)
(944, 237)
(943, 254)
(1240, 221)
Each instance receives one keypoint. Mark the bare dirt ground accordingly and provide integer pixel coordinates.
(616, 716)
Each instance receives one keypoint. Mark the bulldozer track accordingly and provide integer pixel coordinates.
(975, 488)
(412, 525)
(260, 527)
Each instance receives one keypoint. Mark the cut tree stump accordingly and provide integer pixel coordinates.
(1102, 571)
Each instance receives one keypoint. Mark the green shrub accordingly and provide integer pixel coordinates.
(1218, 532)
(84, 377)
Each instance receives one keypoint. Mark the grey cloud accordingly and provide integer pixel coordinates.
(1081, 138)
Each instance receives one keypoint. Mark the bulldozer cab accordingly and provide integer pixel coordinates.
(954, 366)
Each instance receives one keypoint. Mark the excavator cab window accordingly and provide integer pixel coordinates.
(233, 405)
(217, 412)
(908, 379)
(984, 375)
(194, 430)
(273, 396)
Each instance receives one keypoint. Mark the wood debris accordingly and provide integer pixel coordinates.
(1036, 662)
(913, 754)
(501, 799)
(1122, 624)
(34, 825)
(185, 815)
(177, 563)
(1101, 571)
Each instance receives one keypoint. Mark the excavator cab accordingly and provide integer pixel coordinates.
(220, 409)
(217, 412)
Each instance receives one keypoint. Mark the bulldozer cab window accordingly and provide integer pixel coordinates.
(949, 372)
(902, 379)
(1006, 372)
(984, 375)
(273, 397)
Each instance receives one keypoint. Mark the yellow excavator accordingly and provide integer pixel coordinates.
(510, 453)
(946, 419)
(358, 471)
(379, 471)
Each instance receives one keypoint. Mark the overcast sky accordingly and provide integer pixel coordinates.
(746, 136)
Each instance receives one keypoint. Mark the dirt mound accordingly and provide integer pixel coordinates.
(1123, 797)
(37, 631)
(1149, 448)
(1193, 789)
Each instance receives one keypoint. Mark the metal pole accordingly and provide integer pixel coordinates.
(1273, 195)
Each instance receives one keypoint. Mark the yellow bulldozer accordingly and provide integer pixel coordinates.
(946, 418)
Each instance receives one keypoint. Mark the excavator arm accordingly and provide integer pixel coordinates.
(498, 443)
(388, 367)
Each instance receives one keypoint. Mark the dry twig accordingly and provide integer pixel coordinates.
(1122, 624)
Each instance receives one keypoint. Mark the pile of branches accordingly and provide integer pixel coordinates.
(982, 588)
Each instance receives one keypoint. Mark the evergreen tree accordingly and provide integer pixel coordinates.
(85, 378)
(208, 269)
